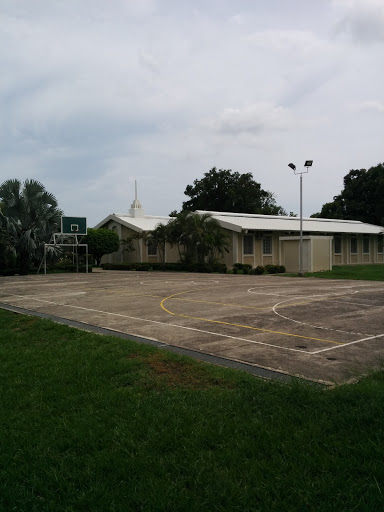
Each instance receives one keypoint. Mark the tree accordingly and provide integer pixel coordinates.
(101, 241)
(5, 242)
(30, 215)
(361, 199)
(227, 191)
(208, 238)
(201, 237)
(127, 244)
(159, 237)
(177, 228)
(6, 249)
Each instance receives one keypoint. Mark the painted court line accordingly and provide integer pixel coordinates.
(359, 304)
(311, 325)
(164, 323)
(240, 325)
(346, 344)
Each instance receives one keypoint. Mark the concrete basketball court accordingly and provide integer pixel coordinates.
(324, 330)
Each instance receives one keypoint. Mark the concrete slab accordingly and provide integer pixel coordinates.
(324, 330)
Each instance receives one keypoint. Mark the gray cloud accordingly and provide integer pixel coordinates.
(95, 94)
(362, 20)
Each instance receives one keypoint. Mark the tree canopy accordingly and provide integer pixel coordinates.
(361, 199)
(101, 241)
(199, 238)
(28, 216)
(229, 191)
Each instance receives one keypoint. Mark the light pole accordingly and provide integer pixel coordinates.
(308, 163)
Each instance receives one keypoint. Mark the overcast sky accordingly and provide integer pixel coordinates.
(97, 93)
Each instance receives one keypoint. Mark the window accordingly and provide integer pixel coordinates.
(267, 245)
(248, 244)
(353, 245)
(380, 244)
(366, 245)
(337, 242)
(152, 248)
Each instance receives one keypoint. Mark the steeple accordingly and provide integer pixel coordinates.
(136, 209)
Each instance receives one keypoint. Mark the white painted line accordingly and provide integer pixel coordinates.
(310, 325)
(358, 304)
(205, 283)
(346, 344)
(250, 290)
(166, 324)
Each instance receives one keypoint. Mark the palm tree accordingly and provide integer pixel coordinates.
(201, 237)
(159, 237)
(30, 215)
(207, 237)
(127, 244)
(178, 234)
(218, 245)
(138, 236)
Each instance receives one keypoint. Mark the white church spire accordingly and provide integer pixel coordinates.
(136, 209)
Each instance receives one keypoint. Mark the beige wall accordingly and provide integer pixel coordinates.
(318, 251)
(291, 255)
(346, 257)
(258, 258)
(321, 254)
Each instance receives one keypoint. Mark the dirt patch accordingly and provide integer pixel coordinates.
(181, 374)
(24, 323)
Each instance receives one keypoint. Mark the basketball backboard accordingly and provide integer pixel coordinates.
(73, 225)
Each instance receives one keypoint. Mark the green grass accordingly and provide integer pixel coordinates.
(96, 423)
(371, 272)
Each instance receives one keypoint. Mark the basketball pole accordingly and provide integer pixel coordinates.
(69, 228)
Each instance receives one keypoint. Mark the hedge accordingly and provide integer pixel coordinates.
(167, 267)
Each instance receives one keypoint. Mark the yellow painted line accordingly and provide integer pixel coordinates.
(239, 325)
(218, 303)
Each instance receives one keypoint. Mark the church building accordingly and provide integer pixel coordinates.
(259, 240)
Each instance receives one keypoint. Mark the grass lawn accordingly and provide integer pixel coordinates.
(373, 272)
(95, 423)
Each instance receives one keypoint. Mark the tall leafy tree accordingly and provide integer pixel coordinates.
(198, 237)
(177, 232)
(29, 214)
(227, 191)
(6, 249)
(208, 238)
(133, 240)
(101, 241)
(362, 197)
(5, 241)
(159, 237)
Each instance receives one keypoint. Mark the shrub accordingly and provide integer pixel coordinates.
(68, 267)
(220, 268)
(170, 267)
(258, 270)
(9, 271)
(275, 269)
(245, 267)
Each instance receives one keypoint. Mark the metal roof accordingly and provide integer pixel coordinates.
(145, 223)
(255, 222)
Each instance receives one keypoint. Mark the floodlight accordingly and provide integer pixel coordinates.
(308, 163)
